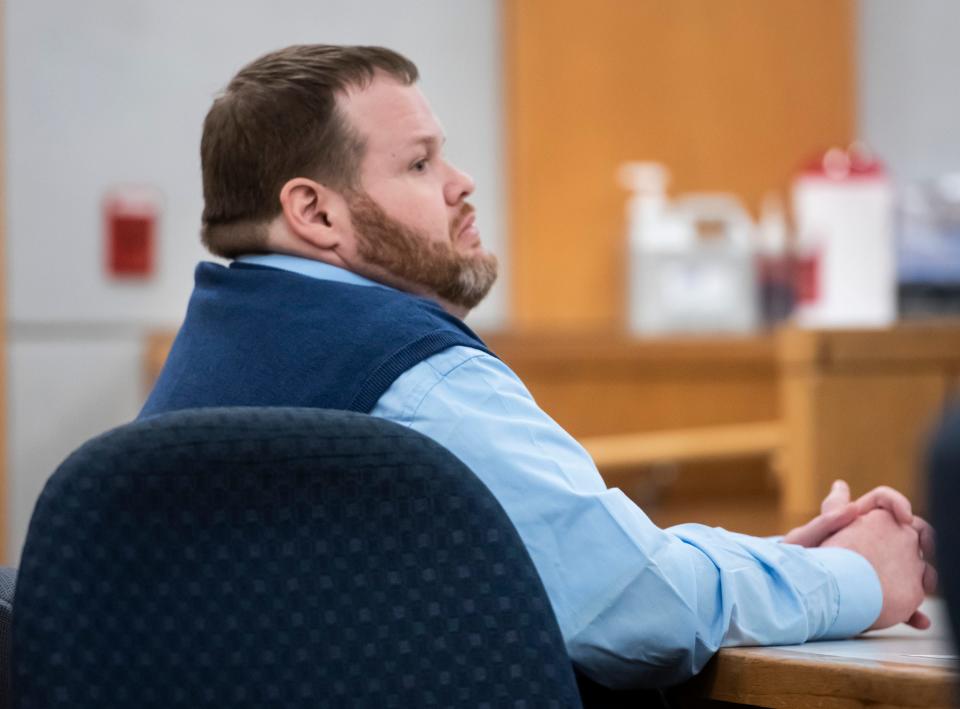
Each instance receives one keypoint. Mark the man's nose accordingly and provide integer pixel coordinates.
(459, 186)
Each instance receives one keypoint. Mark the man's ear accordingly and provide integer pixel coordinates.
(314, 213)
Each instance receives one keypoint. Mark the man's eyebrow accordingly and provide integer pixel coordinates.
(430, 141)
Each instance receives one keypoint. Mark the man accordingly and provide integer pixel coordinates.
(356, 256)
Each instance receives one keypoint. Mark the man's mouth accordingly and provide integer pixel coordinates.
(465, 229)
(469, 224)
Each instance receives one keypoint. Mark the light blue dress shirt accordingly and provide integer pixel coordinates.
(637, 605)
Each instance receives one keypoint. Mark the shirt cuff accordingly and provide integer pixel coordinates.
(860, 596)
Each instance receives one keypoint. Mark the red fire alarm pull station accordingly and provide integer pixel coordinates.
(130, 230)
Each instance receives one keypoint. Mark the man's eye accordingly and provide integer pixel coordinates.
(419, 165)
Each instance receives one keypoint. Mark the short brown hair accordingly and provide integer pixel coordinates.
(276, 120)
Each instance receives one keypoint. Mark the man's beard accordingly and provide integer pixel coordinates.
(461, 279)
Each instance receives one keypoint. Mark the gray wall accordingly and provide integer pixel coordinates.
(909, 93)
(102, 92)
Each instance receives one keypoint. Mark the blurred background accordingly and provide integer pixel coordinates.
(728, 230)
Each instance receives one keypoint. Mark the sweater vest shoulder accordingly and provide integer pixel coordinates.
(259, 336)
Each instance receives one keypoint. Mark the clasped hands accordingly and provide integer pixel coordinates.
(881, 527)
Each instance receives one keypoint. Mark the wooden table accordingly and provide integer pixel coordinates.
(897, 667)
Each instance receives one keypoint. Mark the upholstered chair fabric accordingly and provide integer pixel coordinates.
(8, 583)
(278, 558)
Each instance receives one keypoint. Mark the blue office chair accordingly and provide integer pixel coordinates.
(278, 558)
(8, 582)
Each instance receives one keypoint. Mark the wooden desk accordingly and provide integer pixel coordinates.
(897, 667)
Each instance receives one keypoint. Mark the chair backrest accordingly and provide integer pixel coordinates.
(8, 583)
(278, 557)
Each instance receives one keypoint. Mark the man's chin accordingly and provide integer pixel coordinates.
(475, 281)
(469, 240)
(474, 255)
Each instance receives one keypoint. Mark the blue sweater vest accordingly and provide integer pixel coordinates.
(258, 336)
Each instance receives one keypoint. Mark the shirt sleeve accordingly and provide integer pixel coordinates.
(638, 606)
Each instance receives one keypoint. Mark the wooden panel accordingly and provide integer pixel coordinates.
(911, 346)
(859, 405)
(628, 450)
(801, 481)
(604, 384)
(747, 508)
(731, 95)
(872, 429)
(155, 352)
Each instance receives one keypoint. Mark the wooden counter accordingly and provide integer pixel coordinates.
(818, 405)
(603, 383)
(859, 404)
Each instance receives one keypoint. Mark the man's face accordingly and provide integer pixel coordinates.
(412, 224)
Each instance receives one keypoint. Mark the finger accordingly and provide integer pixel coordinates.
(919, 620)
(930, 579)
(838, 496)
(889, 499)
(927, 539)
(817, 530)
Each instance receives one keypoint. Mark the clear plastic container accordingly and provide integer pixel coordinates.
(691, 270)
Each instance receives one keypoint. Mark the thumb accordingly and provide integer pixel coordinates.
(838, 496)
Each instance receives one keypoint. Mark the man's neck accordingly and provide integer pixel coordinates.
(315, 268)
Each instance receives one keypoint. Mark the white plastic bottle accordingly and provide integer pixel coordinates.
(843, 207)
(650, 229)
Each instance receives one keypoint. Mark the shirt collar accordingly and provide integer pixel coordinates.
(308, 267)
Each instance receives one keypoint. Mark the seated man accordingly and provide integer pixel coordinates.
(356, 256)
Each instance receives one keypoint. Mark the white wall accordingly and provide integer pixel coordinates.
(909, 103)
(102, 92)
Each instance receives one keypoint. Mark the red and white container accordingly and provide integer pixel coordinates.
(843, 207)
